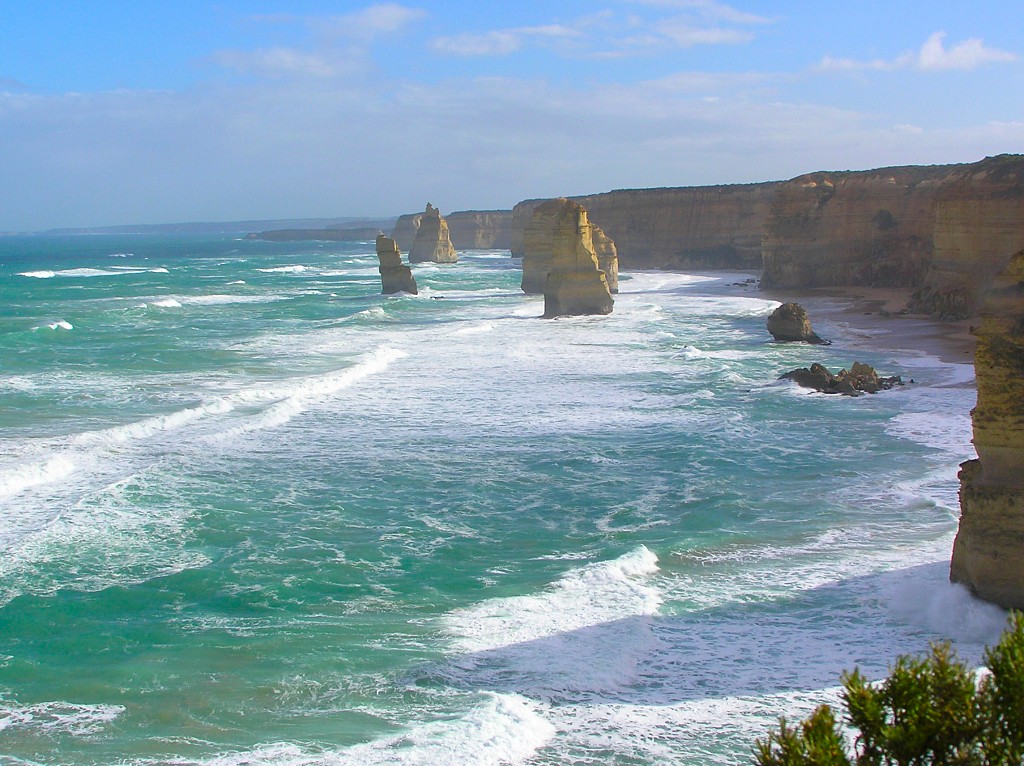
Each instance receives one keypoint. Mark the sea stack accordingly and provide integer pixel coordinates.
(559, 243)
(607, 257)
(432, 243)
(789, 322)
(988, 554)
(395, 276)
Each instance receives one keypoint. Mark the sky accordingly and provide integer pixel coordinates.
(147, 111)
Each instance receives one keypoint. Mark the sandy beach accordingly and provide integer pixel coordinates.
(878, 316)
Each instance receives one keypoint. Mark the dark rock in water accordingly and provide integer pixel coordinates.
(861, 378)
(789, 322)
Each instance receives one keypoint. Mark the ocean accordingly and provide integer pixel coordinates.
(254, 512)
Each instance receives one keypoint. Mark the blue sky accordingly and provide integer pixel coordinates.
(149, 112)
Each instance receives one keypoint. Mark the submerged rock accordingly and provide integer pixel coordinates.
(789, 322)
(988, 553)
(433, 243)
(395, 276)
(860, 378)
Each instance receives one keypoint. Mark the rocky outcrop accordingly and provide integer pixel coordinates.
(607, 257)
(696, 227)
(395, 276)
(789, 322)
(559, 245)
(860, 378)
(978, 225)
(480, 229)
(433, 243)
(988, 554)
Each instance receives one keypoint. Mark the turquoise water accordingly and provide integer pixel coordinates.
(253, 512)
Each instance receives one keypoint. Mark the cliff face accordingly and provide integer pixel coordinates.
(405, 230)
(988, 554)
(870, 228)
(432, 242)
(481, 229)
(700, 227)
(978, 225)
(395, 276)
(561, 234)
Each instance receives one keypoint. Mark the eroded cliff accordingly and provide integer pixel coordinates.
(988, 554)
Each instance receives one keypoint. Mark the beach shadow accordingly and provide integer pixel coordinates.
(798, 643)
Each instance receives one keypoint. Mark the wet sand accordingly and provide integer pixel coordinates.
(877, 317)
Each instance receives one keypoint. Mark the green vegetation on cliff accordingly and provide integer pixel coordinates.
(930, 710)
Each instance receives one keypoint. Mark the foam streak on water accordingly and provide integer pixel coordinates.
(254, 512)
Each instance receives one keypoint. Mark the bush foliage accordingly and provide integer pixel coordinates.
(929, 711)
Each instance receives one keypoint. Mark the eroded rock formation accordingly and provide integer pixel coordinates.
(560, 246)
(405, 230)
(432, 243)
(988, 554)
(395, 276)
(607, 257)
(480, 229)
(859, 379)
(789, 322)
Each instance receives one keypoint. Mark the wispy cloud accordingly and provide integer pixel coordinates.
(932, 56)
(500, 42)
(340, 43)
(709, 9)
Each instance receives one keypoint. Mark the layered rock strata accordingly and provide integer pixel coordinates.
(560, 237)
(432, 243)
(697, 227)
(988, 554)
(978, 224)
(859, 379)
(871, 228)
(395, 276)
(467, 229)
(405, 230)
(789, 322)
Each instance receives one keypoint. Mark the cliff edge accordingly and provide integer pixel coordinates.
(988, 554)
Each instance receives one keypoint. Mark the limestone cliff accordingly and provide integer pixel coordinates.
(864, 228)
(480, 229)
(978, 225)
(607, 257)
(988, 554)
(405, 230)
(432, 243)
(697, 227)
(395, 276)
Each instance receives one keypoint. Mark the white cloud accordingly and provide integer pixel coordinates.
(499, 42)
(931, 56)
(970, 54)
(278, 62)
(377, 19)
(709, 9)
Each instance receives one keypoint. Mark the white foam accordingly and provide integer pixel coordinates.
(586, 596)
(296, 269)
(167, 303)
(58, 717)
(59, 324)
(19, 479)
(38, 274)
(506, 729)
(475, 329)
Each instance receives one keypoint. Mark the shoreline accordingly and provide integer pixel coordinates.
(876, 317)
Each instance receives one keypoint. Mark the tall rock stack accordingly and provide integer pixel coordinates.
(607, 257)
(395, 276)
(988, 555)
(432, 243)
(559, 244)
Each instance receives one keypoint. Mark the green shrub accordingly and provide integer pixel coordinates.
(929, 711)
